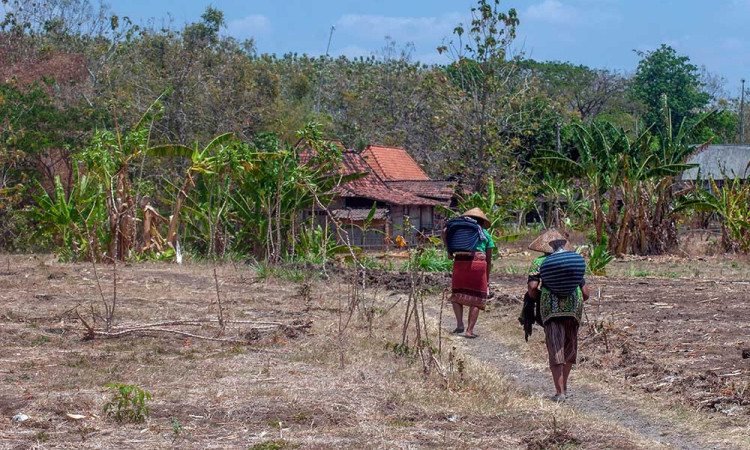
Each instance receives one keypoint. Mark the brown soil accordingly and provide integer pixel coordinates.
(675, 336)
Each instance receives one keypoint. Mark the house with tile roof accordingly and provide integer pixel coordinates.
(404, 196)
(399, 170)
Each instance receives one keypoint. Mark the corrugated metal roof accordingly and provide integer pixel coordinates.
(715, 159)
(393, 163)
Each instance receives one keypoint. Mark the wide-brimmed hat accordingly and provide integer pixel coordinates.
(543, 242)
(478, 214)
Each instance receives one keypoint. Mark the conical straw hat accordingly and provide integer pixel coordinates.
(478, 214)
(542, 243)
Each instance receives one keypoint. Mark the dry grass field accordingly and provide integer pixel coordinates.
(670, 345)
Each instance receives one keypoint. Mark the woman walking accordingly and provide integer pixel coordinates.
(560, 314)
(470, 245)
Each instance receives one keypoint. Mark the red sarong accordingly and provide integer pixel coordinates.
(469, 281)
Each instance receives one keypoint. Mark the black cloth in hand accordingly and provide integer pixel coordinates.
(529, 315)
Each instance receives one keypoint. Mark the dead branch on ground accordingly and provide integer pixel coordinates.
(258, 328)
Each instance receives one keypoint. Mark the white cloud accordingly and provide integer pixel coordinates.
(411, 29)
(552, 11)
(250, 26)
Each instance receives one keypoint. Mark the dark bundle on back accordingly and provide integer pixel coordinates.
(563, 272)
(462, 234)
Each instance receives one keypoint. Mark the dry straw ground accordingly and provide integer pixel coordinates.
(285, 389)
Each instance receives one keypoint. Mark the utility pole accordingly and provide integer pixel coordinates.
(742, 113)
(320, 75)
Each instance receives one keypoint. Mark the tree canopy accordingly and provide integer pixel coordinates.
(667, 81)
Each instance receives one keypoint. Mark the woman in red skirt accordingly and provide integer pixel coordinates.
(471, 274)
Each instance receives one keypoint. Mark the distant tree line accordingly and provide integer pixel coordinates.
(70, 69)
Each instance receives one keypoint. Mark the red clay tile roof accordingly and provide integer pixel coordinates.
(393, 164)
(438, 190)
(371, 185)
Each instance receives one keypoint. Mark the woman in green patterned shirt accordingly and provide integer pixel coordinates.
(561, 315)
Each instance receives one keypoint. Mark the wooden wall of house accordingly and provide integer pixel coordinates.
(422, 218)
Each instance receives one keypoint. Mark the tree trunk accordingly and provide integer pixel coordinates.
(174, 220)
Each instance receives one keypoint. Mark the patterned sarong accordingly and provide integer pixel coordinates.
(561, 337)
(469, 282)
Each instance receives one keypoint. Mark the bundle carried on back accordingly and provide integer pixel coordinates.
(562, 272)
(462, 234)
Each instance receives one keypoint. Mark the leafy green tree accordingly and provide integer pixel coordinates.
(481, 115)
(579, 89)
(663, 73)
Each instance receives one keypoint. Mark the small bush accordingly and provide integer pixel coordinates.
(278, 444)
(128, 403)
(430, 260)
(599, 260)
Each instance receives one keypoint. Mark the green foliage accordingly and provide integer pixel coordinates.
(429, 260)
(277, 444)
(599, 259)
(270, 197)
(628, 181)
(730, 202)
(582, 90)
(128, 403)
(720, 128)
(177, 429)
(486, 93)
(478, 120)
(664, 82)
(317, 246)
(32, 124)
(70, 222)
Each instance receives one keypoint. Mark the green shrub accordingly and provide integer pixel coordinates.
(599, 260)
(430, 260)
(128, 403)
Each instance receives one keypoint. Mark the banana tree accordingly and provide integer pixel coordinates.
(271, 197)
(595, 165)
(108, 159)
(202, 161)
(731, 203)
(630, 182)
(72, 221)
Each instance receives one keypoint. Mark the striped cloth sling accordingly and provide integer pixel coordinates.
(562, 272)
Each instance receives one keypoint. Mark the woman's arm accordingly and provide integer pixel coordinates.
(443, 236)
(533, 289)
(488, 253)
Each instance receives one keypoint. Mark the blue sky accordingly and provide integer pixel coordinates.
(598, 33)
